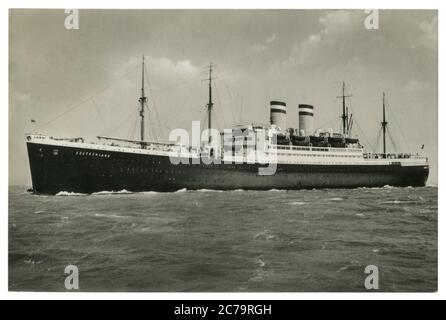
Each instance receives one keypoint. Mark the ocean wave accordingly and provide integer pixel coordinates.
(32, 262)
(335, 199)
(99, 215)
(69, 194)
(297, 203)
(370, 188)
(353, 265)
(209, 190)
(181, 190)
(391, 202)
(264, 235)
(148, 192)
(260, 262)
(400, 202)
(394, 187)
(100, 193)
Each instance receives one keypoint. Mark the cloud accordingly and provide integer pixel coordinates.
(258, 48)
(166, 67)
(335, 21)
(302, 52)
(333, 24)
(428, 30)
(20, 96)
(414, 85)
(271, 38)
(124, 68)
(264, 45)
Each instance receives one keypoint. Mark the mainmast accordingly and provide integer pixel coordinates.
(210, 103)
(344, 116)
(384, 124)
(142, 100)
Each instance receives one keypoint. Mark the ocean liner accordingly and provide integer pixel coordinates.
(238, 159)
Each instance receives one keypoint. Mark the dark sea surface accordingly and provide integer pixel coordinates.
(267, 241)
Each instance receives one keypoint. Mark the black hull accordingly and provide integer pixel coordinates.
(68, 170)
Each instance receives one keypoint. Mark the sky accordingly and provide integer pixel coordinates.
(86, 82)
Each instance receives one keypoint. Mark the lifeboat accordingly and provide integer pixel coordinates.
(337, 142)
(319, 141)
(300, 140)
(351, 140)
(283, 139)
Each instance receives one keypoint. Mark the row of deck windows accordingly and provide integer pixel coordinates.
(92, 154)
(322, 155)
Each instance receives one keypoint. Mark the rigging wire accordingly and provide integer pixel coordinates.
(64, 113)
(394, 120)
(132, 133)
(333, 120)
(154, 104)
(155, 123)
(77, 105)
(231, 98)
(224, 123)
(204, 120)
(362, 134)
(393, 142)
(241, 109)
(98, 112)
(377, 141)
(129, 116)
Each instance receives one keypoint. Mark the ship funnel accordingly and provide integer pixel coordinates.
(306, 119)
(278, 114)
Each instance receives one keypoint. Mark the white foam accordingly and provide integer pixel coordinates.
(392, 202)
(209, 190)
(123, 191)
(297, 203)
(148, 192)
(69, 194)
(181, 190)
(369, 188)
(109, 215)
(261, 263)
(335, 199)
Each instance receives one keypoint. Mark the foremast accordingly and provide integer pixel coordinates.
(210, 104)
(384, 124)
(344, 116)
